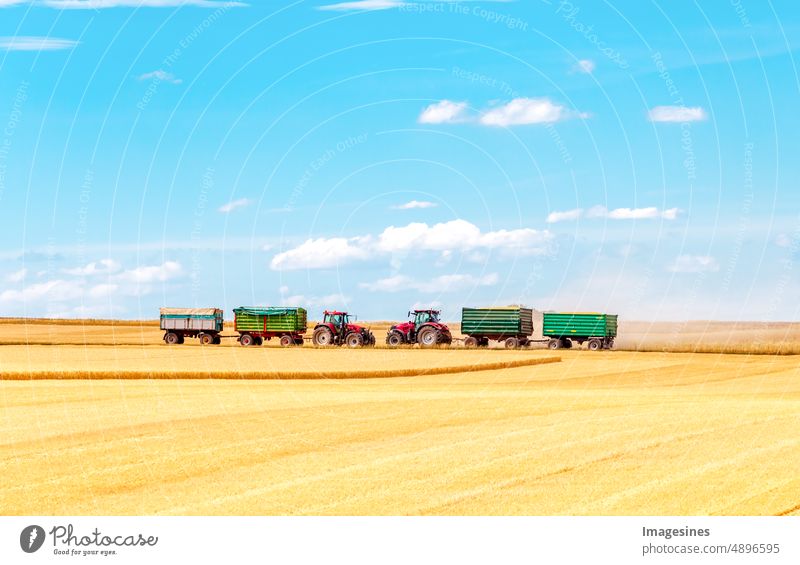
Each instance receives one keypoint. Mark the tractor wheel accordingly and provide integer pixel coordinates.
(206, 339)
(323, 337)
(247, 340)
(554, 344)
(471, 342)
(394, 339)
(286, 340)
(354, 339)
(595, 345)
(428, 337)
(512, 343)
(172, 338)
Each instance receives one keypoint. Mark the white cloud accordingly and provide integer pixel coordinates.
(234, 204)
(677, 114)
(524, 111)
(443, 283)
(321, 253)
(102, 267)
(444, 112)
(616, 214)
(694, 264)
(585, 66)
(17, 276)
(151, 273)
(28, 43)
(415, 204)
(103, 290)
(100, 4)
(160, 75)
(554, 217)
(363, 5)
(456, 235)
(50, 291)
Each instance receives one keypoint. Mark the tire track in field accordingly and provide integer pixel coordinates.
(454, 499)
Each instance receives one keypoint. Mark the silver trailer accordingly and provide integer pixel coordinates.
(204, 324)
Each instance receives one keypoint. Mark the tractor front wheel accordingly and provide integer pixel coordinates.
(322, 337)
(354, 339)
(428, 337)
(394, 339)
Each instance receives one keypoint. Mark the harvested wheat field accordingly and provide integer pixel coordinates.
(597, 433)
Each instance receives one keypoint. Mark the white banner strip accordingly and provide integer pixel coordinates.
(390, 540)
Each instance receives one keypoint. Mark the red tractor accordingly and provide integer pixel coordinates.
(423, 327)
(336, 329)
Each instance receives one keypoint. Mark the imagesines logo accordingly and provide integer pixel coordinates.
(31, 538)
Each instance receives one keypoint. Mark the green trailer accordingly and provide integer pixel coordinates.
(512, 325)
(255, 324)
(566, 328)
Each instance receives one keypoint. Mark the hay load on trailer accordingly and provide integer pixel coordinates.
(255, 324)
(205, 324)
(564, 328)
(511, 325)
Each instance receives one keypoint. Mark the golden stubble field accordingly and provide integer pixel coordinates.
(596, 433)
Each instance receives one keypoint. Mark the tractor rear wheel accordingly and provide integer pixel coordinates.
(428, 337)
(354, 339)
(172, 338)
(205, 339)
(595, 345)
(322, 337)
(286, 340)
(247, 340)
(554, 344)
(394, 339)
(471, 342)
(512, 343)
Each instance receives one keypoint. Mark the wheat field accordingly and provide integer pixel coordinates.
(596, 433)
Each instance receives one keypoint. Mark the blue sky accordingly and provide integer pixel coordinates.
(634, 157)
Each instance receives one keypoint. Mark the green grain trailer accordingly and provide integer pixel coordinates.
(259, 323)
(511, 325)
(564, 328)
(203, 323)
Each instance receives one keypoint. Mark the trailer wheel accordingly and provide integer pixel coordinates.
(394, 339)
(286, 340)
(206, 339)
(512, 343)
(247, 340)
(172, 338)
(595, 345)
(554, 344)
(354, 339)
(471, 342)
(428, 337)
(322, 337)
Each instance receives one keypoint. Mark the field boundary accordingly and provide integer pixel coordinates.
(270, 375)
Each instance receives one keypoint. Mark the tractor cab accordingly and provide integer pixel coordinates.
(422, 317)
